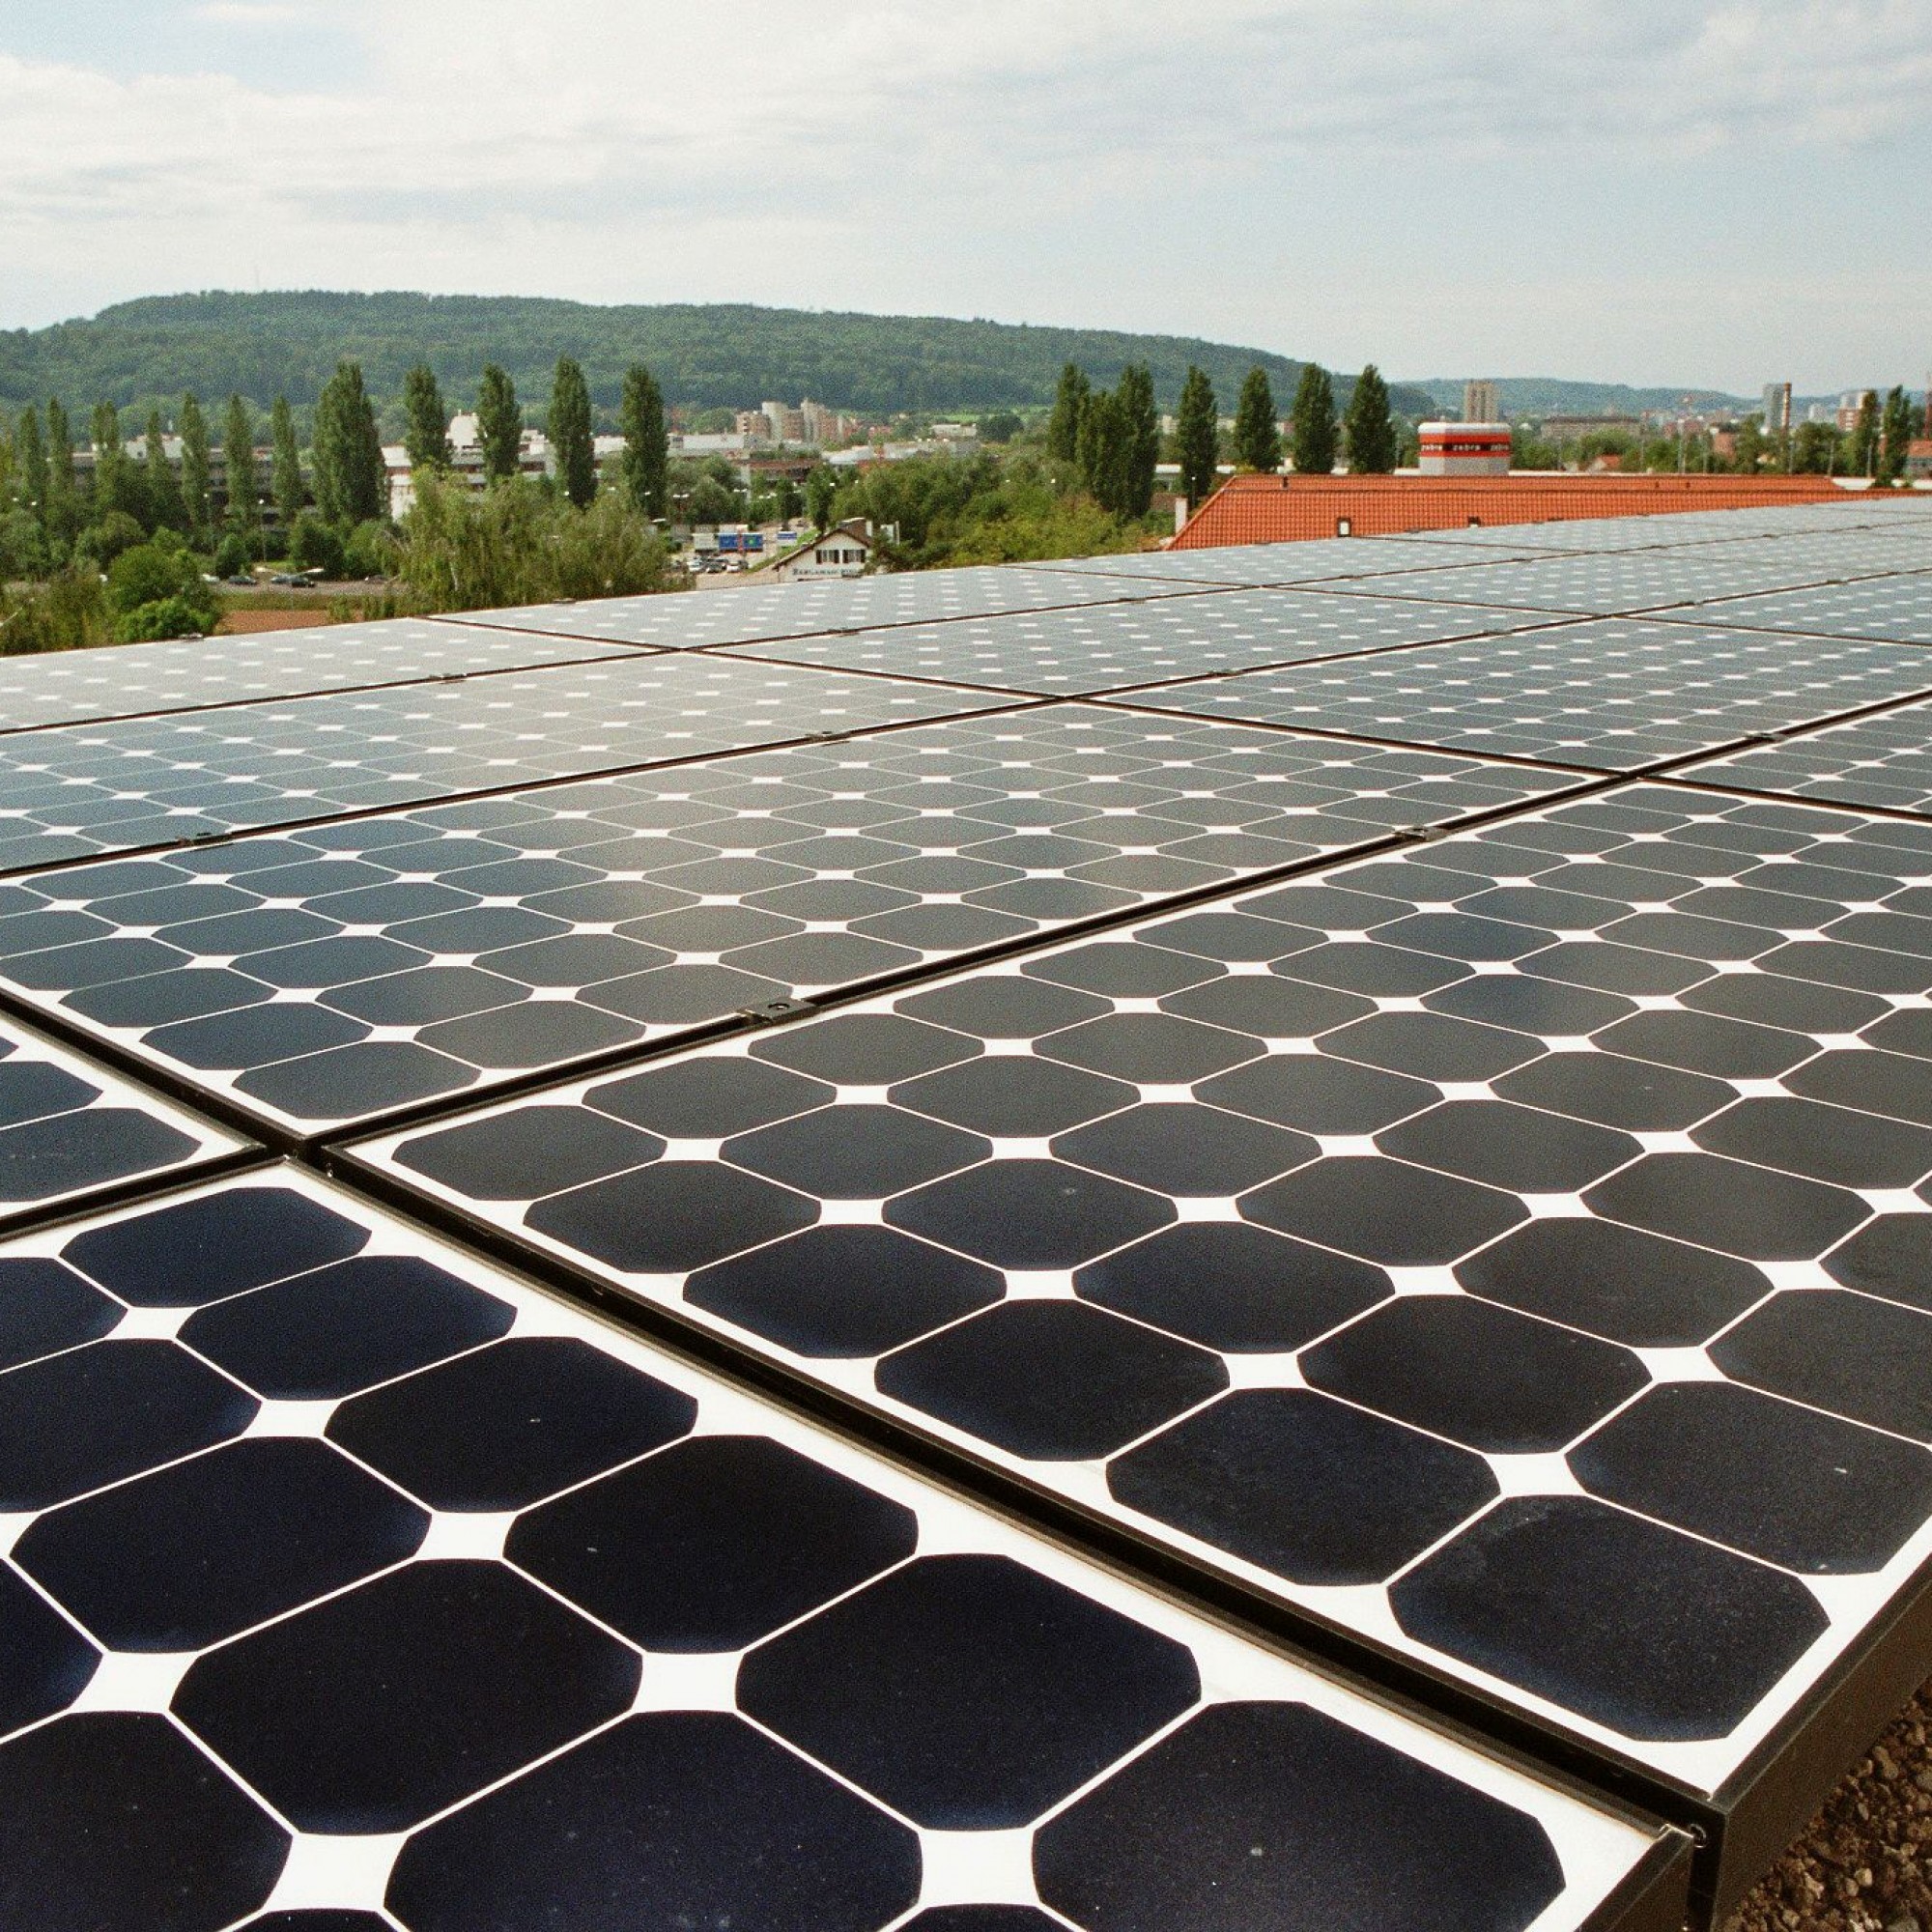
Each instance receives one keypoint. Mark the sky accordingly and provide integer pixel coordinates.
(1668, 192)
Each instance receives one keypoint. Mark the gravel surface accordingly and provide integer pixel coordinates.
(1865, 1864)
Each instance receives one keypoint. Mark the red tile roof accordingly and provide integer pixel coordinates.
(1294, 509)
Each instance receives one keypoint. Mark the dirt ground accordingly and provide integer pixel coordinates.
(1866, 1863)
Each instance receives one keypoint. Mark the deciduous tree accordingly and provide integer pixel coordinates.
(350, 476)
(1866, 441)
(1315, 434)
(1897, 424)
(499, 424)
(646, 464)
(426, 431)
(1140, 439)
(287, 475)
(571, 439)
(195, 468)
(30, 452)
(238, 458)
(1069, 408)
(1257, 433)
(164, 497)
(1198, 438)
(1371, 425)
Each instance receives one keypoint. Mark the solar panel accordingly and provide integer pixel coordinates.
(1271, 564)
(1512, 1254)
(742, 611)
(352, 1577)
(1611, 584)
(133, 680)
(70, 1130)
(1664, 531)
(1111, 647)
(86, 789)
(330, 974)
(1897, 607)
(1883, 762)
(1616, 693)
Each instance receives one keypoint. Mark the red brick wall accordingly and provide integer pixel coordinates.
(1294, 509)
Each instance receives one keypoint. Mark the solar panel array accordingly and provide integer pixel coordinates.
(1354, 1119)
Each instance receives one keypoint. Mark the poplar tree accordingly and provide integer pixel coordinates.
(426, 434)
(1257, 433)
(1069, 408)
(164, 497)
(115, 484)
(237, 455)
(646, 463)
(1897, 423)
(1104, 450)
(287, 480)
(194, 483)
(1197, 436)
(499, 424)
(31, 452)
(351, 475)
(1371, 425)
(1140, 438)
(62, 499)
(568, 427)
(1865, 437)
(1316, 435)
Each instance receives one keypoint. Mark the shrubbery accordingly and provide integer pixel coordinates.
(517, 544)
(156, 591)
(67, 612)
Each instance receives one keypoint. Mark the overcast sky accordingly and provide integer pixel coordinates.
(1655, 192)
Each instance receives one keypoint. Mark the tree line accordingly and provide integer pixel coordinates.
(128, 551)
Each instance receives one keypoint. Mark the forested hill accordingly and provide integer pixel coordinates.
(261, 346)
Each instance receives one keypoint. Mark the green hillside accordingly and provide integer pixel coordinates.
(1551, 395)
(263, 345)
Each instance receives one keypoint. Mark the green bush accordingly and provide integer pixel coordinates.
(23, 547)
(164, 617)
(231, 559)
(370, 552)
(67, 612)
(102, 542)
(514, 544)
(313, 545)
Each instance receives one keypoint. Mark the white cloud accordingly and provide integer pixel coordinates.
(643, 150)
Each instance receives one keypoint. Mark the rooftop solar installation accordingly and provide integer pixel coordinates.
(1607, 583)
(1883, 762)
(70, 1130)
(1513, 1253)
(1673, 530)
(1898, 608)
(133, 680)
(1109, 647)
(744, 612)
(407, 1589)
(1616, 693)
(1032, 1249)
(333, 973)
(1261, 564)
(156, 781)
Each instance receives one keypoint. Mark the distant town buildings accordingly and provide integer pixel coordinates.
(1851, 404)
(1479, 404)
(1776, 408)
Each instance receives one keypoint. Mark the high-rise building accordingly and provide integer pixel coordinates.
(1479, 404)
(1851, 405)
(1776, 408)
